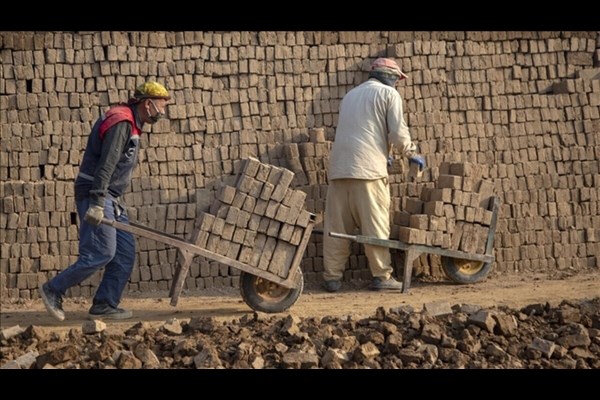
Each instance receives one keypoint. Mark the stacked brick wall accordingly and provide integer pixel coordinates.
(522, 104)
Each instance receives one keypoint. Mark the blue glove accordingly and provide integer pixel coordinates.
(419, 160)
(390, 161)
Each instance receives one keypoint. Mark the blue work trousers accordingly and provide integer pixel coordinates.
(101, 246)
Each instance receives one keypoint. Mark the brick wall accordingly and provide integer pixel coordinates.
(525, 105)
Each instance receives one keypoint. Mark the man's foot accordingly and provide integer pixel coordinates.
(52, 301)
(333, 286)
(381, 284)
(105, 311)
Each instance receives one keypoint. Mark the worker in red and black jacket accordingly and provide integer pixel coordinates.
(104, 174)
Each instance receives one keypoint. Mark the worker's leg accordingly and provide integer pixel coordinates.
(97, 246)
(337, 219)
(372, 206)
(118, 270)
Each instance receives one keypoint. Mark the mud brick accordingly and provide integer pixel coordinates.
(436, 223)
(401, 218)
(486, 217)
(263, 225)
(446, 241)
(449, 211)
(426, 194)
(437, 239)
(459, 212)
(238, 235)
(273, 228)
(468, 241)
(294, 198)
(219, 209)
(245, 254)
(306, 149)
(261, 207)
(267, 190)
(297, 236)
(263, 172)
(470, 183)
(412, 235)
(444, 195)
(457, 197)
(251, 166)
(272, 209)
(254, 222)
(256, 189)
(486, 191)
(293, 214)
(228, 230)
(481, 234)
(259, 244)
(267, 253)
(317, 135)
(243, 219)
(217, 227)
(457, 235)
(232, 215)
(304, 219)
(282, 186)
(478, 215)
(445, 168)
(434, 208)
(245, 184)
(238, 199)
(282, 258)
(275, 175)
(226, 194)
(294, 164)
(469, 214)
(206, 222)
(465, 169)
(449, 181)
(428, 238)
(282, 213)
(473, 199)
(212, 242)
(249, 203)
(287, 197)
(419, 221)
(286, 232)
(222, 246)
(413, 206)
(233, 251)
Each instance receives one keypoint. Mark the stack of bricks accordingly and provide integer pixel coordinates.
(259, 222)
(454, 214)
(526, 104)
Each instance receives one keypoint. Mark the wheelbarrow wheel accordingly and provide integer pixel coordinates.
(267, 296)
(465, 271)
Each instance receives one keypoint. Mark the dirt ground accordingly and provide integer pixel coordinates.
(354, 299)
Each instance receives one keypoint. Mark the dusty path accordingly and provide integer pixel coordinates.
(226, 304)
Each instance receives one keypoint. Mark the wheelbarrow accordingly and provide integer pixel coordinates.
(459, 266)
(262, 290)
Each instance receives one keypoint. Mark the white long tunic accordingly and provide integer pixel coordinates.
(371, 117)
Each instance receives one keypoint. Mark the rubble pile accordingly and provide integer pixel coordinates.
(438, 336)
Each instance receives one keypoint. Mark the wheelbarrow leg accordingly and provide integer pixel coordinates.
(409, 258)
(184, 259)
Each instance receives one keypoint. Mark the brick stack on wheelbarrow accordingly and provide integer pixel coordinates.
(260, 221)
(453, 214)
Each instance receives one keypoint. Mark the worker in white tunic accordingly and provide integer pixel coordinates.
(371, 121)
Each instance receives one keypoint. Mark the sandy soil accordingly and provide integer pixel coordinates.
(354, 299)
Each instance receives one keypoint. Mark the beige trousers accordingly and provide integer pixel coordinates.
(356, 204)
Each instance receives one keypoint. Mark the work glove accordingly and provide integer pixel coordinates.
(94, 215)
(419, 160)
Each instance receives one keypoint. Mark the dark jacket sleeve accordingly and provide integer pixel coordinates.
(113, 144)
